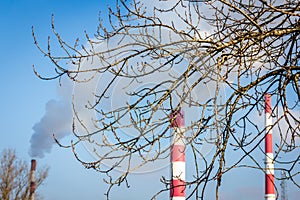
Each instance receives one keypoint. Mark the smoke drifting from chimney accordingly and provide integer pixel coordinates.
(56, 120)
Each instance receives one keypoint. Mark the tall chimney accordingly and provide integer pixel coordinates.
(32, 179)
(177, 188)
(269, 171)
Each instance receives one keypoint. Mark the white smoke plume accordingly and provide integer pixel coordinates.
(56, 120)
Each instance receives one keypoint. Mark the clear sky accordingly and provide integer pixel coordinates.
(24, 96)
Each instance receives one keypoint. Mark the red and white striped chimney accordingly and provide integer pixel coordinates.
(177, 189)
(32, 180)
(269, 162)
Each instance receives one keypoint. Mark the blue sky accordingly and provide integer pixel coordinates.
(24, 96)
(23, 99)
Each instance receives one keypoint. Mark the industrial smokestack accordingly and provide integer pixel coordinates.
(269, 171)
(177, 189)
(32, 179)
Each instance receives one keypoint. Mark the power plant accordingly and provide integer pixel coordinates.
(178, 164)
(177, 189)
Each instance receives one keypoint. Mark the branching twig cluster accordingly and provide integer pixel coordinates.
(239, 50)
